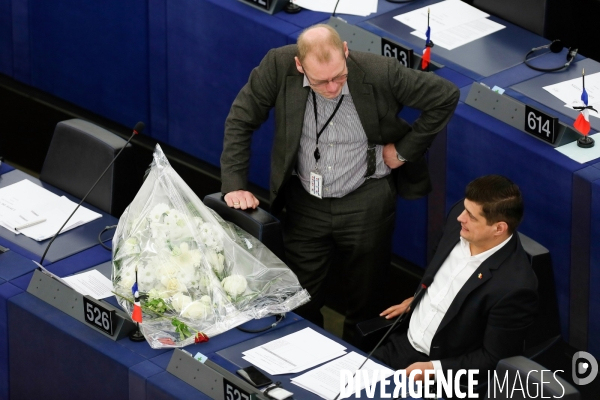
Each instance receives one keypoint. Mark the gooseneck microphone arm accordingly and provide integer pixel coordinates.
(419, 293)
(139, 127)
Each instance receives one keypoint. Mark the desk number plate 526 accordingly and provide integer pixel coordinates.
(540, 124)
(98, 316)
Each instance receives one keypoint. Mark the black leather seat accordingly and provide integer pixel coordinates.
(79, 152)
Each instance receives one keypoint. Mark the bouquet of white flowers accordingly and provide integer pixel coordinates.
(197, 275)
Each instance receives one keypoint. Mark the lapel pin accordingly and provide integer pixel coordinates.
(480, 276)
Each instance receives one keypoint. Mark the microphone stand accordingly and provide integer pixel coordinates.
(137, 129)
(414, 301)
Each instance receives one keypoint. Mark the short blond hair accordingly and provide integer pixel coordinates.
(319, 45)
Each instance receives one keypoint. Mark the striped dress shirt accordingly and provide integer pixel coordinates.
(343, 146)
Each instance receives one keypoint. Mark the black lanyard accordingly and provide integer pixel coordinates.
(317, 154)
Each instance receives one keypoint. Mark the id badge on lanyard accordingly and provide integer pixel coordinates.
(316, 184)
(316, 179)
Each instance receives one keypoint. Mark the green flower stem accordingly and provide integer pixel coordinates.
(180, 327)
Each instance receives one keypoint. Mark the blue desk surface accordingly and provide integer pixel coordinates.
(231, 359)
(68, 358)
(163, 385)
(18, 270)
(585, 252)
(481, 58)
(7, 291)
(5, 168)
(40, 335)
(66, 244)
(594, 277)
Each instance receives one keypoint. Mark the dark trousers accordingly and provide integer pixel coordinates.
(398, 353)
(358, 228)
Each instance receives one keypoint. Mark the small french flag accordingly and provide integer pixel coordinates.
(427, 50)
(136, 315)
(582, 123)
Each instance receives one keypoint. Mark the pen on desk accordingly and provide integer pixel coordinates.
(29, 224)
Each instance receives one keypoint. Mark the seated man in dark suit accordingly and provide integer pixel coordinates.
(484, 292)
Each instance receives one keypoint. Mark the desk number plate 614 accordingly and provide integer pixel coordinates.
(98, 316)
(540, 124)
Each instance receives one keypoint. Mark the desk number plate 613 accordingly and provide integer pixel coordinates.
(394, 50)
(98, 316)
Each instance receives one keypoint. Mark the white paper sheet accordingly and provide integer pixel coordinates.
(443, 15)
(569, 92)
(325, 380)
(294, 352)
(457, 36)
(91, 283)
(56, 214)
(352, 7)
(580, 154)
(22, 202)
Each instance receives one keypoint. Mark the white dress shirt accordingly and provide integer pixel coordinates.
(450, 278)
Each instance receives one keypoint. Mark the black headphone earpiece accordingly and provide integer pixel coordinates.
(555, 47)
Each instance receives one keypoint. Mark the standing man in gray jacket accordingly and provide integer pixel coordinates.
(340, 155)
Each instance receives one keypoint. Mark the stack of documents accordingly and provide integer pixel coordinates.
(294, 353)
(325, 380)
(352, 7)
(38, 213)
(453, 23)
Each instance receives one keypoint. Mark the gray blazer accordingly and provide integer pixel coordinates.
(380, 87)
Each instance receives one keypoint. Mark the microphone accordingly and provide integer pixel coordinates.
(417, 297)
(139, 127)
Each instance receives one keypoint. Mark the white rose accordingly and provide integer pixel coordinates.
(216, 261)
(127, 277)
(154, 294)
(179, 301)
(146, 276)
(158, 211)
(235, 285)
(196, 310)
(206, 300)
(198, 221)
(130, 247)
(173, 284)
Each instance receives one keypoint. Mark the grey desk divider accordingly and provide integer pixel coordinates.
(268, 6)
(69, 301)
(512, 112)
(360, 39)
(210, 378)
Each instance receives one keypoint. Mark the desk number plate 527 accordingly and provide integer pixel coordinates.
(540, 124)
(232, 392)
(98, 316)
(394, 50)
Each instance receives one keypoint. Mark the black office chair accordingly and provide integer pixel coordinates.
(259, 223)
(535, 384)
(79, 153)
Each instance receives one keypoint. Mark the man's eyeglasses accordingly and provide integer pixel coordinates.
(317, 84)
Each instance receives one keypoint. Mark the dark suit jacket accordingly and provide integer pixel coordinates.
(379, 86)
(488, 319)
